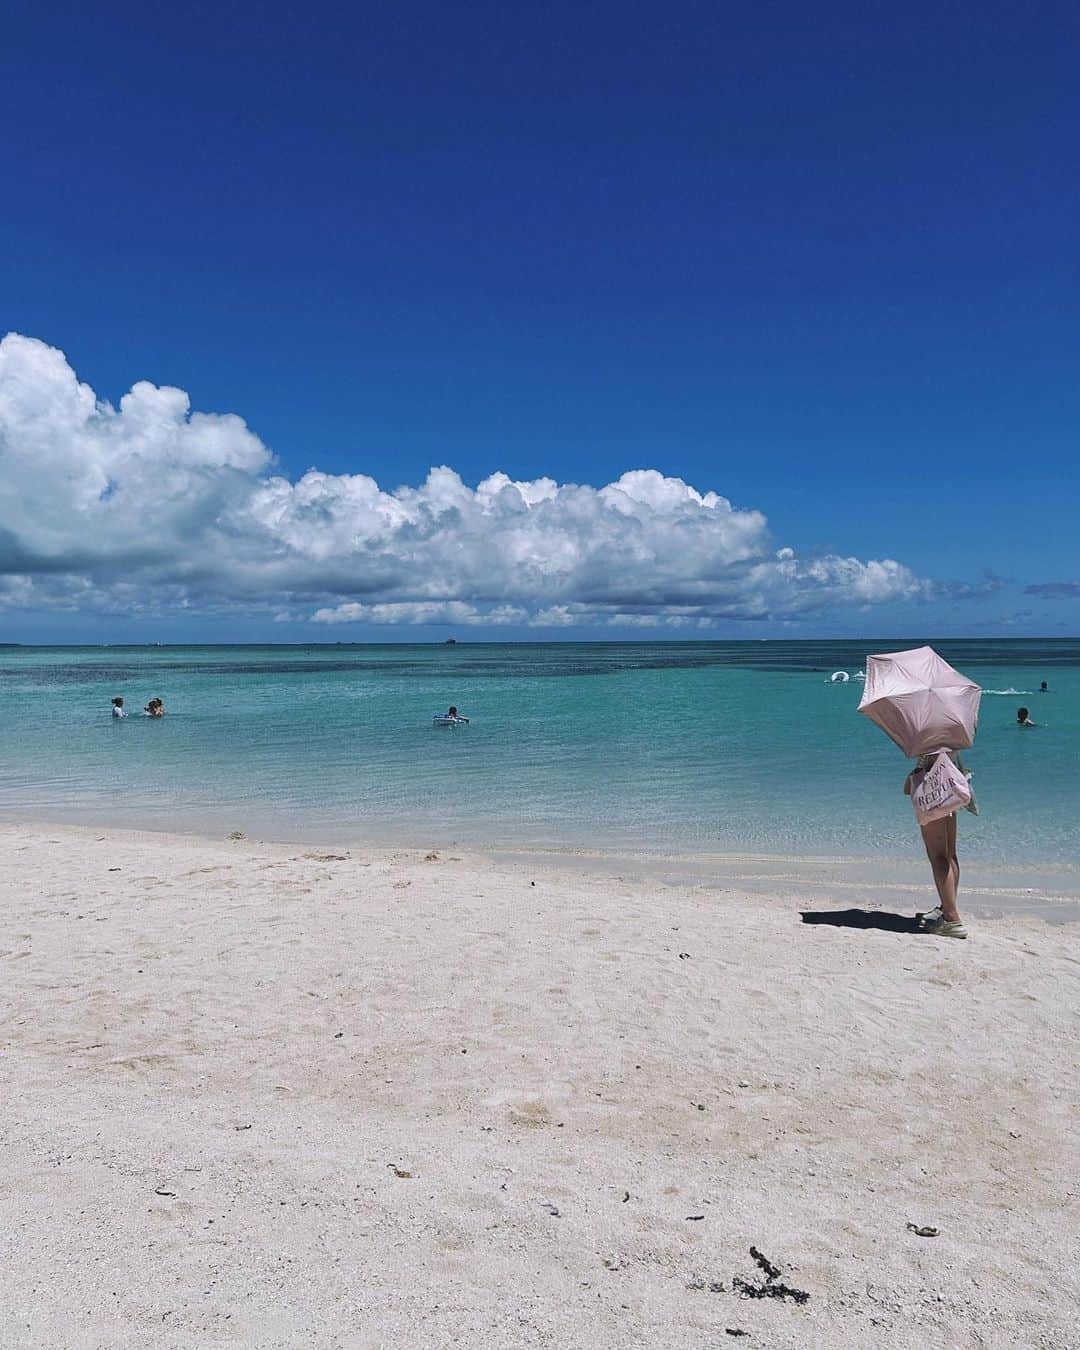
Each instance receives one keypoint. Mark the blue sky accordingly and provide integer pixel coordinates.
(820, 262)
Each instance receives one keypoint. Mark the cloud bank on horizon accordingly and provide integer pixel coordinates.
(149, 506)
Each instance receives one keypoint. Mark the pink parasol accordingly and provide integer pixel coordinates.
(920, 701)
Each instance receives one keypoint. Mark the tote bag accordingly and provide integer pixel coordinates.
(940, 791)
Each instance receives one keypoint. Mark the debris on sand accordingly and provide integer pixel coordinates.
(923, 1230)
(771, 1272)
(771, 1287)
(769, 1290)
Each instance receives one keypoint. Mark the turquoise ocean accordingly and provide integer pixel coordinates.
(671, 747)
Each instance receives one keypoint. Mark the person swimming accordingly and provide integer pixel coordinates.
(1044, 688)
(455, 716)
(155, 708)
(1023, 718)
(118, 707)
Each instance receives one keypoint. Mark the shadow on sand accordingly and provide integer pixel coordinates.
(862, 918)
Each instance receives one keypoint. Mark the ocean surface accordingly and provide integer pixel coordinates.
(670, 747)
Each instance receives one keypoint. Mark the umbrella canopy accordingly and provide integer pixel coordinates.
(920, 701)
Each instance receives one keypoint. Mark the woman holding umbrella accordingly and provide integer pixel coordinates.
(930, 710)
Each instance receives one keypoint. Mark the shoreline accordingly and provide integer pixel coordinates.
(1051, 891)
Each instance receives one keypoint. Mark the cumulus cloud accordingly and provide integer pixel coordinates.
(150, 505)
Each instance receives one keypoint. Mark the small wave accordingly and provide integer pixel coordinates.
(1006, 691)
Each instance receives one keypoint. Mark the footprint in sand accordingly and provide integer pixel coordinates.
(534, 1115)
(141, 1061)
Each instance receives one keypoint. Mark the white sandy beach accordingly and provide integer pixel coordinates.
(275, 1095)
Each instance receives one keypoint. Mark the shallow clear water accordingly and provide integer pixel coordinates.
(676, 747)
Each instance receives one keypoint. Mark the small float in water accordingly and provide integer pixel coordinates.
(839, 677)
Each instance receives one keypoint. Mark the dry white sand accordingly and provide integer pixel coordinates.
(269, 1095)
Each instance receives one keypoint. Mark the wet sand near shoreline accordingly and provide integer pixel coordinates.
(1049, 891)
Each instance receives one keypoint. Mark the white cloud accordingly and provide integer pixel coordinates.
(440, 612)
(149, 506)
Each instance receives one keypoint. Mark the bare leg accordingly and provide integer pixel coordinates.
(940, 840)
(954, 861)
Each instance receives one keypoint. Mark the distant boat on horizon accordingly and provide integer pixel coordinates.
(451, 642)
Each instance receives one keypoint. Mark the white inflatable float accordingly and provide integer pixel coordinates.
(839, 677)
